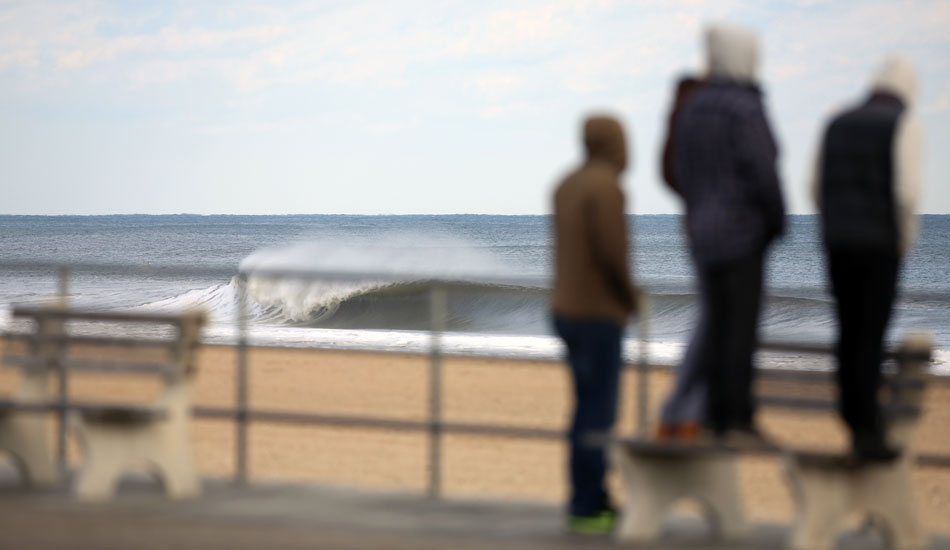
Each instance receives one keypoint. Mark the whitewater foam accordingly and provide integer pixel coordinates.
(311, 301)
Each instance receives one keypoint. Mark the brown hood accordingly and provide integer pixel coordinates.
(592, 278)
(604, 140)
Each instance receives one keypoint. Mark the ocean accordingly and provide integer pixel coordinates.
(378, 299)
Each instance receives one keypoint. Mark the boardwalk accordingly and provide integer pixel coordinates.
(263, 516)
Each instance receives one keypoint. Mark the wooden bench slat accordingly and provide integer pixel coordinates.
(25, 406)
(806, 376)
(84, 408)
(890, 410)
(119, 316)
(789, 347)
(788, 402)
(827, 349)
(119, 414)
(118, 367)
(905, 382)
(67, 339)
(825, 459)
(127, 367)
(901, 410)
(674, 448)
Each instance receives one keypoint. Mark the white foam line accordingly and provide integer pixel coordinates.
(484, 345)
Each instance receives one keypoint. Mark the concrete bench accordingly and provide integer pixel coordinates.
(24, 419)
(827, 486)
(112, 436)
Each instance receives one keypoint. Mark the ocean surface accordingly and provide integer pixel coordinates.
(377, 296)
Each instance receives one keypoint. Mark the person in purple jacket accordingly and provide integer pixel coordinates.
(725, 168)
(684, 410)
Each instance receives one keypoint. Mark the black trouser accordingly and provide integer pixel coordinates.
(731, 293)
(864, 283)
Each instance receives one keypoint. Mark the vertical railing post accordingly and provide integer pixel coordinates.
(59, 328)
(63, 286)
(643, 364)
(437, 314)
(241, 387)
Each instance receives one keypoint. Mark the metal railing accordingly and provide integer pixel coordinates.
(435, 426)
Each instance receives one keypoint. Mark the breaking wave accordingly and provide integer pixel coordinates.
(398, 299)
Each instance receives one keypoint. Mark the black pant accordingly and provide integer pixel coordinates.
(731, 293)
(864, 283)
(594, 353)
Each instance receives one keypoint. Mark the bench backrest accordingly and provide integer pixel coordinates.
(49, 344)
(902, 392)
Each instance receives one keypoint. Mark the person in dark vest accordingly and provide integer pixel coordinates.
(593, 298)
(867, 185)
(725, 167)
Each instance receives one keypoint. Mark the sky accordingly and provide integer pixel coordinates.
(408, 106)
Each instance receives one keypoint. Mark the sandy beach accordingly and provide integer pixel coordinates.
(491, 391)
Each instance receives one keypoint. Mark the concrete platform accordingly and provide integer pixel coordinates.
(281, 516)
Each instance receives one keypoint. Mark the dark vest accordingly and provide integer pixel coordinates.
(857, 176)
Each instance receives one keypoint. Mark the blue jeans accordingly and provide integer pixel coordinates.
(687, 402)
(593, 351)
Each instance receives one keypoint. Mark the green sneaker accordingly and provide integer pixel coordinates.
(601, 523)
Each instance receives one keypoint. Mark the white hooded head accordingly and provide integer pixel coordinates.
(731, 52)
(896, 76)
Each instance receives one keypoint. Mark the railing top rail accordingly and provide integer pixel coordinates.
(71, 339)
(896, 353)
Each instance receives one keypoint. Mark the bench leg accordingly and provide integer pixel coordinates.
(24, 435)
(653, 484)
(823, 501)
(171, 458)
(104, 462)
(106, 453)
(645, 502)
(828, 494)
(716, 483)
(887, 492)
(109, 448)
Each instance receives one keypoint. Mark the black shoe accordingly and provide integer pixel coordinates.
(873, 448)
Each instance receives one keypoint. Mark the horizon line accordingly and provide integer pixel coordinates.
(196, 214)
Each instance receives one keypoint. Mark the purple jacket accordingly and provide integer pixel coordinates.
(725, 165)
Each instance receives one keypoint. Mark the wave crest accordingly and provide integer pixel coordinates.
(300, 301)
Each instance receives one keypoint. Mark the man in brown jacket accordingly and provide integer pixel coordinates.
(593, 297)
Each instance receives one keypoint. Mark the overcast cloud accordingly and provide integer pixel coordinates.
(368, 107)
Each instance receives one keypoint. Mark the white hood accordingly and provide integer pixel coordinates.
(731, 52)
(896, 75)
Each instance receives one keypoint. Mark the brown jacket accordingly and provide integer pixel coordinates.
(592, 278)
